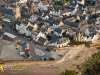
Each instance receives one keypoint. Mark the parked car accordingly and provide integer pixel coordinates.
(48, 50)
(25, 46)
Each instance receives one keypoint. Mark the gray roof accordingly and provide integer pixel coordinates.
(71, 24)
(83, 17)
(58, 30)
(91, 21)
(18, 22)
(58, 40)
(30, 28)
(49, 22)
(6, 11)
(39, 19)
(73, 4)
(24, 22)
(42, 40)
(56, 21)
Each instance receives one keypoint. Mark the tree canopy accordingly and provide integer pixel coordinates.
(69, 73)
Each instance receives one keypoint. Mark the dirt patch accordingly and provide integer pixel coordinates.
(70, 63)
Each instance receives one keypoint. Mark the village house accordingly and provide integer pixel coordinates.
(58, 31)
(7, 13)
(22, 1)
(80, 2)
(56, 12)
(29, 30)
(57, 23)
(42, 41)
(33, 18)
(59, 42)
(43, 5)
(21, 26)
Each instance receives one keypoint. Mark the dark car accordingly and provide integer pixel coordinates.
(48, 50)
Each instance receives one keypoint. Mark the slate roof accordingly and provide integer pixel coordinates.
(12, 1)
(73, 4)
(56, 21)
(49, 22)
(29, 3)
(38, 13)
(6, 11)
(70, 8)
(71, 24)
(25, 9)
(18, 22)
(24, 22)
(30, 28)
(58, 30)
(83, 17)
(58, 40)
(42, 40)
(91, 21)
(44, 2)
(39, 19)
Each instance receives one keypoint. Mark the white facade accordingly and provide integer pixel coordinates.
(21, 28)
(65, 43)
(81, 2)
(22, 1)
(74, 11)
(41, 35)
(41, 6)
(33, 18)
(56, 13)
(92, 39)
(28, 33)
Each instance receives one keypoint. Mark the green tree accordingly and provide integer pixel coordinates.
(1, 19)
(64, 2)
(49, 37)
(65, 35)
(92, 65)
(41, 24)
(77, 21)
(95, 16)
(69, 73)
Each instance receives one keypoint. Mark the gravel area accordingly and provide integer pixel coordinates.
(9, 52)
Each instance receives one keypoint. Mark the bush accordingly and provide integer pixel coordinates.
(72, 43)
(49, 37)
(65, 35)
(69, 73)
(77, 21)
(41, 24)
(92, 65)
(95, 16)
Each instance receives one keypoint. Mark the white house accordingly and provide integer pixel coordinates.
(58, 31)
(22, 1)
(21, 27)
(81, 2)
(56, 12)
(90, 36)
(29, 30)
(59, 42)
(66, 12)
(41, 35)
(34, 36)
(33, 18)
(43, 5)
(93, 39)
